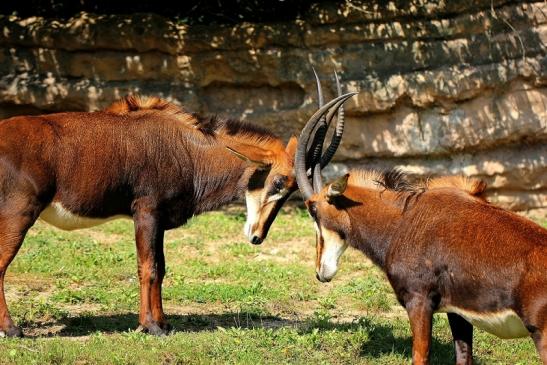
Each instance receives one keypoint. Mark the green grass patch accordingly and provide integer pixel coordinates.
(76, 295)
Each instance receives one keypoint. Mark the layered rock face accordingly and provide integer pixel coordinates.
(445, 88)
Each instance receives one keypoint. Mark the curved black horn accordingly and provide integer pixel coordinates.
(317, 178)
(320, 99)
(300, 157)
(315, 148)
(337, 136)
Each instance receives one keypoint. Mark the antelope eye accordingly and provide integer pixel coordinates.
(313, 210)
(279, 183)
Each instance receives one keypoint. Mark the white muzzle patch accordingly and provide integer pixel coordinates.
(252, 201)
(333, 248)
(255, 209)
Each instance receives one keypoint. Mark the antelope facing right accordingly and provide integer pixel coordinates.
(142, 158)
(443, 247)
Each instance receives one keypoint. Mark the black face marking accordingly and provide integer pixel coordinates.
(343, 202)
(258, 179)
(312, 209)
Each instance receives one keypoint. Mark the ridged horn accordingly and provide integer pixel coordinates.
(338, 132)
(300, 157)
(315, 148)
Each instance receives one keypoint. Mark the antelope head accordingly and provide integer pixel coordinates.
(273, 179)
(322, 202)
(271, 183)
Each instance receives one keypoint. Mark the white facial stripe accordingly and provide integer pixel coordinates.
(277, 196)
(253, 208)
(333, 248)
(316, 227)
(504, 324)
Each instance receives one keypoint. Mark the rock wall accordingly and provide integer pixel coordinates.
(447, 87)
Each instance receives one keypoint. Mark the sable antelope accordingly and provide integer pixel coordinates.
(142, 158)
(443, 247)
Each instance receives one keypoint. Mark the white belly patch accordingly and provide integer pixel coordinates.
(504, 324)
(58, 216)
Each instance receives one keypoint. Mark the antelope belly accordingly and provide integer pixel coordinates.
(58, 216)
(504, 324)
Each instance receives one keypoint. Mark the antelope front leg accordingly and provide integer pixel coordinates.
(540, 340)
(420, 313)
(149, 239)
(462, 332)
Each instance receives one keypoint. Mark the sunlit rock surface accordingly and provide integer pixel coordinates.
(454, 87)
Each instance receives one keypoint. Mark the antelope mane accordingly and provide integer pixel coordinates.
(213, 126)
(397, 181)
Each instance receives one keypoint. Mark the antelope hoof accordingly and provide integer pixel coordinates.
(153, 329)
(12, 331)
(166, 327)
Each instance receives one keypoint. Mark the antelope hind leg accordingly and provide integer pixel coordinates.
(462, 333)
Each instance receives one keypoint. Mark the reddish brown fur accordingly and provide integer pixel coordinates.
(141, 157)
(133, 103)
(474, 187)
(442, 245)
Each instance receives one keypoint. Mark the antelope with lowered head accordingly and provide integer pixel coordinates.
(141, 158)
(443, 247)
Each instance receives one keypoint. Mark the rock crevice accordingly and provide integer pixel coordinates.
(446, 87)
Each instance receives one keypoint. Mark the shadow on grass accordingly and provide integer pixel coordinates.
(87, 324)
(381, 340)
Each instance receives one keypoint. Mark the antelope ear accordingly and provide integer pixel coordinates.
(291, 146)
(252, 154)
(337, 187)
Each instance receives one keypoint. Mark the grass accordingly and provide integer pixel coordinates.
(76, 295)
